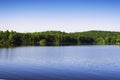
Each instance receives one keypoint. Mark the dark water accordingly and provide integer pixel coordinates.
(60, 63)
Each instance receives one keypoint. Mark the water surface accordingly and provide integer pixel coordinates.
(60, 63)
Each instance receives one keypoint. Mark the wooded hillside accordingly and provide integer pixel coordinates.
(57, 38)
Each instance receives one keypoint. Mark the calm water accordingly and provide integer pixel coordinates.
(60, 63)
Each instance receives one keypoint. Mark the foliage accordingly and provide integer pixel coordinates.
(12, 38)
(43, 42)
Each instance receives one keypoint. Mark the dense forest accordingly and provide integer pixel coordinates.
(57, 38)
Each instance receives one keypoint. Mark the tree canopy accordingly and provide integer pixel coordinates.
(12, 38)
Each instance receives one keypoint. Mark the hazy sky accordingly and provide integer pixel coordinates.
(60, 15)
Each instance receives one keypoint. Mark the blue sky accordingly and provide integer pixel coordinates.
(60, 15)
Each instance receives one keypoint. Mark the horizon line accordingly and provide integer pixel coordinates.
(59, 31)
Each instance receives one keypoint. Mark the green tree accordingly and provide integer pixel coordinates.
(118, 40)
(100, 41)
(42, 42)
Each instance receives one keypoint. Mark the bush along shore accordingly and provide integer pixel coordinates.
(58, 38)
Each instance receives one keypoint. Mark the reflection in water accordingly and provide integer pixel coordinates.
(73, 62)
(80, 56)
(6, 55)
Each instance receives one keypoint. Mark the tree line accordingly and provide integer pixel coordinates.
(58, 38)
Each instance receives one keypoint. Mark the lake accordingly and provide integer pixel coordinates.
(60, 63)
